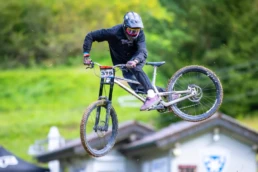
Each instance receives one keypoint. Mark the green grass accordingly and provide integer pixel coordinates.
(31, 101)
(250, 122)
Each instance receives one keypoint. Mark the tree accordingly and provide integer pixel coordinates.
(52, 32)
(221, 35)
(22, 32)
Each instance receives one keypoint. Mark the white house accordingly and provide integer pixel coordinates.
(218, 144)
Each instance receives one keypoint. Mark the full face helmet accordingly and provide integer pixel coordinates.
(132, 25)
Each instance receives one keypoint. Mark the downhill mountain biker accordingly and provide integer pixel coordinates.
(127, 46)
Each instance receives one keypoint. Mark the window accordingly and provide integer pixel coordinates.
(159, 165)
(187, 168)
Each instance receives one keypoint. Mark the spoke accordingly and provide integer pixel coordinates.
(205, 85)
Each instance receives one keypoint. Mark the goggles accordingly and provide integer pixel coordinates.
(132, 31)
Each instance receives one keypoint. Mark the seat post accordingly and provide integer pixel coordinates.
(154, 78)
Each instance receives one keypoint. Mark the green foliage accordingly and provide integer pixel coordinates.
(221, 35)
(51, 32)
(31, 101)
(23, 25)
(45, 34)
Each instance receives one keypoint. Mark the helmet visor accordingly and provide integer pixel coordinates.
(133, 31)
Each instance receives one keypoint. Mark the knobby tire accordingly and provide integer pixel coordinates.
(106, 141)
(204, 79)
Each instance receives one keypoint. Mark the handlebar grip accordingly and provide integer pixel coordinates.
(90, 66)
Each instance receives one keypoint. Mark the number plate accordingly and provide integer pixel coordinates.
(106, 73)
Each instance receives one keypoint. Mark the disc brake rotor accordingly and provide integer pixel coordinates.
(197, 92)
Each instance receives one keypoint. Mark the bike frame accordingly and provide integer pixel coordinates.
(108, 77)
(111, 80)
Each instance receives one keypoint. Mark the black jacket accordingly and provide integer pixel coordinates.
(121, 49)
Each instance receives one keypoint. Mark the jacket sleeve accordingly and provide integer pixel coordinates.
(141, 53)
(98, 35)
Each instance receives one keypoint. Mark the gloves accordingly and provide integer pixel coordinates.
(86, 59)
(131, 64)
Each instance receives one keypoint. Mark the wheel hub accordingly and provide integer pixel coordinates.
(101, 129)
(197, 93)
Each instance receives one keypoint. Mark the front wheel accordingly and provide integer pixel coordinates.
(208, 93)
(98, 129)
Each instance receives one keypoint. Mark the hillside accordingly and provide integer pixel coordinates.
(31, 101)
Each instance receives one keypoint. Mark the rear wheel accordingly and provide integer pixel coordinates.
(208, 93)
(100, 140)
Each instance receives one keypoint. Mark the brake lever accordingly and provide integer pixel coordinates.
(90, 66)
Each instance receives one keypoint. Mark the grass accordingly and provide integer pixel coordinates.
(250, 122)
(32, 101)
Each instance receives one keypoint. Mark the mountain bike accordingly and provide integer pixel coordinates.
(200, 96)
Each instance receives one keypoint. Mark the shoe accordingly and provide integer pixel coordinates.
(150, 102)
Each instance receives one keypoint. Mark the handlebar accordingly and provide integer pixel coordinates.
(95, 63)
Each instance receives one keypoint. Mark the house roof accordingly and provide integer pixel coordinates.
(146, 137)
(185, 129)
(131, 130)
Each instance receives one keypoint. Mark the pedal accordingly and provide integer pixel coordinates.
(157, 107)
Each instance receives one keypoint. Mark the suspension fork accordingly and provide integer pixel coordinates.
(103, 82)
